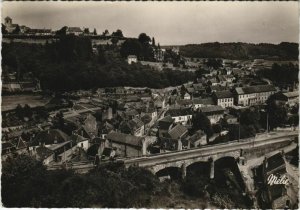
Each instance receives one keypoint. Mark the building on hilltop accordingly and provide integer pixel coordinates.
(10, 27)
(74, 30)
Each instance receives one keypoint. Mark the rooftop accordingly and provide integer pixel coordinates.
(177, 131)
(255, 89)
(125, 139)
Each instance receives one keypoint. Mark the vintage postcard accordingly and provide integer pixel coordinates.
(150, 104)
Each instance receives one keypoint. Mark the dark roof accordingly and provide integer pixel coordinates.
(125, 139)
(255, 89)
(74, 29)
(223, 94)
(132, 112)
(19, 143)
(212, 109)
(291, 94)
(195, 137)
(274, 161)
(184, 102)
(178, 112)
(50, 137)
(7, 145)
(39, 31)
(167, 119)
(205, 101)
(177, 131)
(43, 152)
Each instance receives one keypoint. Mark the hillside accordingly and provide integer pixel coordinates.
(282, 51)
(71, 63)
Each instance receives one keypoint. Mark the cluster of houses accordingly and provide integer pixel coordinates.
(128, 122)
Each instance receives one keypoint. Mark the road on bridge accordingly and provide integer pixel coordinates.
(258, 141)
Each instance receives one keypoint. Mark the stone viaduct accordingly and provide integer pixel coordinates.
(239, 150)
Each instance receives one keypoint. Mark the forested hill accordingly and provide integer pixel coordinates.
(282, 51)
(71, 63)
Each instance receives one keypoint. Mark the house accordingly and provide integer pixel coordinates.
(80, 141)
(74, 30)
(149, 111)
(213, 113)
(127, 145)
(197, 139)
(39, 32)
(89, 127)
(134, 127)
(187, 96)
(177, 133)
(199, 88)
(187, 103)
(47, 138)
(213, 81)
(165, 125)
(201, 102)
(105, 128)
(180, 115)
(290, 98)
(276, 194)
(253, 95)
(130, 114)
(223, 98)
(132, 59)
(10, 27)
(160, 102)
(217, 88)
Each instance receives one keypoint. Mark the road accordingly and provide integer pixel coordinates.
(154, 159)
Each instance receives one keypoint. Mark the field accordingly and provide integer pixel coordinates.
(11, 102)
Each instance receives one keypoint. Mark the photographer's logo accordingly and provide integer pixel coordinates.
(273, 179)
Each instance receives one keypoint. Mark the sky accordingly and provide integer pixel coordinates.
(171, 23)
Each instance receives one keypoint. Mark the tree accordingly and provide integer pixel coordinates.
(214, 63)
(95, 32)
(20, 181)
(17, 30)
(250, 117)
(86, 31)
(19, 111)
(153, 42)
(277, 113)
(3, 29)
(118, 33)
(58, 121)
(200, 121)
(217, 128)
(114, 40)
(131, 47)
(144, 39)
(62, 31)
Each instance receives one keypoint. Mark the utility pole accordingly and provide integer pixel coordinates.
(267, 122)
(239, 126)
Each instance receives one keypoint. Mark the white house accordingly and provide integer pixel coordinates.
(180, 115)
(253, 95)
(223, 98)
(131, 59)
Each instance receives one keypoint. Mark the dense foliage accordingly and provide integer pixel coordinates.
(282, 51)
(281, 75)
(27, 183)
(70, 64)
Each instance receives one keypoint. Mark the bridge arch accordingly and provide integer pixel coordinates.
(199, 168)
(172, 172)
